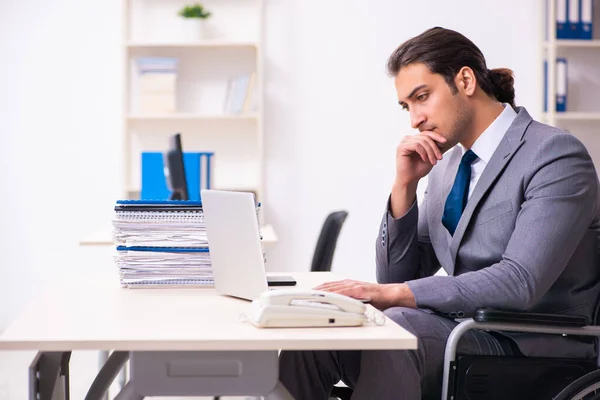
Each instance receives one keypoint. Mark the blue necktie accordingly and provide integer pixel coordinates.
(457, 199)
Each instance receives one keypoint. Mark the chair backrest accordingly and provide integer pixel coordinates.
(323, 256)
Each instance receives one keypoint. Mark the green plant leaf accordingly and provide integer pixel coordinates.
(194, 11)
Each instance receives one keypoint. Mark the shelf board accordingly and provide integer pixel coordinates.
(187, 117)
(575, 43)
(196, 44)
(576, 116)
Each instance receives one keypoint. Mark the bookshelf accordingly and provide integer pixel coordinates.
(231, 46)
(582, 113)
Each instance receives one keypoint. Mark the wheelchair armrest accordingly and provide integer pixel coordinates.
(519, 317)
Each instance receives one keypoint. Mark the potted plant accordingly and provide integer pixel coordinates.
(194, 18)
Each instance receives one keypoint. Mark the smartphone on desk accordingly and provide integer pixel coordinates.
(307, 308)
(273, 280)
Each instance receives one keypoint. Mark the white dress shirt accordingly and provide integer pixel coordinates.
(488, 142)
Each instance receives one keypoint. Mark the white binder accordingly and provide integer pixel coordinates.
(561, 84)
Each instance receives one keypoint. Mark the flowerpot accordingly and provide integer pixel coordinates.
(193, 29)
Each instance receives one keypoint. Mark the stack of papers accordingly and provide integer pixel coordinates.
(157, 234)
(148, 266)
(161, 244)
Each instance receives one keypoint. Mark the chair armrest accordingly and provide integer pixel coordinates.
(519, 317)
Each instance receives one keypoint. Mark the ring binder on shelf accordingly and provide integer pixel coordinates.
(587, 14)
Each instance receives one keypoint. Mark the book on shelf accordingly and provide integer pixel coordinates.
(240, 97)
(157, 84)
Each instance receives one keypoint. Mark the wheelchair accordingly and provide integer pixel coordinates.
(521, 378)
(516, 378)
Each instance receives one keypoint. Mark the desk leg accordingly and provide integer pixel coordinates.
(128, 393)
(279, 393)
(49, 376)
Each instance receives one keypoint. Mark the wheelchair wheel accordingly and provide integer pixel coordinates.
(585, 388)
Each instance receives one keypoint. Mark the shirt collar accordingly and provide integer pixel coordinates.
(488, 141)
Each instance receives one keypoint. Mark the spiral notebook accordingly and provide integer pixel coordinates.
(167, 283)
(164, 266)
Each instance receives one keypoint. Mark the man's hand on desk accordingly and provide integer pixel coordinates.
(381, 296)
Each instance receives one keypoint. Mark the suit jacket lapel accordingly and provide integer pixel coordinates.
(510, 144)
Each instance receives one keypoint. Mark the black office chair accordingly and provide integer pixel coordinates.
(323, 255)
(521, 378)
(322, 259)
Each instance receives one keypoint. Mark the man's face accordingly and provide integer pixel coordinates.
(431, 103)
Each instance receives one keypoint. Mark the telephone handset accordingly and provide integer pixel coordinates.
(312, 308)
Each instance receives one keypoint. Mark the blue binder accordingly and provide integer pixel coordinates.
(164, 249)
(561, 84)
(154, 184)
(573, 19)
(586, 9)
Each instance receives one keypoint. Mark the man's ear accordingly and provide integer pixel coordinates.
(466, 81)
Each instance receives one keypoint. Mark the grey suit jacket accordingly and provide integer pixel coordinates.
(527, 240)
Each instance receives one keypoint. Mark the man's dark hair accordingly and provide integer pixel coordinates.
(445, 52)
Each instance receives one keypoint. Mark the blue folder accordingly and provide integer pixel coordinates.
(164, 249)
(154, 184)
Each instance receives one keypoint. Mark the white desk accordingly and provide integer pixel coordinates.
(102, 316)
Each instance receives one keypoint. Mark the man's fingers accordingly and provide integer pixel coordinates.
(434, 147)
(345, 287)
(430, 145)
(435, 136)
(431, 156)
(334, 284)
(423, 149)
(423, 145)
(420, 150)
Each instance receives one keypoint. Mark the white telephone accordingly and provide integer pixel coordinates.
(312, 308)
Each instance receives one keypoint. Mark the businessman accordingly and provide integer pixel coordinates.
(511, 213)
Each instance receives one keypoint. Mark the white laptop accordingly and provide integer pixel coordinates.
(235, 249)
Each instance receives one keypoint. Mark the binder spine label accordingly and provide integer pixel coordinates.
(586, 8)
(561, 19)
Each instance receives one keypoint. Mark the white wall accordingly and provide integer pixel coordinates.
(39, 145)
(332, 123)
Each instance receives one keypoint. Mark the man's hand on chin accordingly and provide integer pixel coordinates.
(381, 296)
